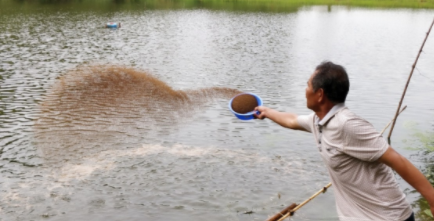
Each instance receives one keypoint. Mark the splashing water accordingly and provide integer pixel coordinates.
(95, 108)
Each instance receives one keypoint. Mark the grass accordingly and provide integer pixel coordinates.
(228, 5)
(355, 3)
(422, 141)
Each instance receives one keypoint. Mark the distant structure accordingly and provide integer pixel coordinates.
(113, 25)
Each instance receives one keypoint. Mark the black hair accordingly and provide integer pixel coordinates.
(333, 79)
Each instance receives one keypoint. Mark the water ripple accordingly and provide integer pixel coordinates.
(76, 147)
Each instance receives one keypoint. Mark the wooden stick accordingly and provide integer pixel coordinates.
(392, 120)
(282, 213)
(408, 81)
(280, 216)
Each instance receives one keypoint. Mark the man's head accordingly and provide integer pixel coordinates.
(333, 79)
(328, 82)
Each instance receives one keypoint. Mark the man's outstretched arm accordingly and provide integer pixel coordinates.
(288, 120)
(410, 174)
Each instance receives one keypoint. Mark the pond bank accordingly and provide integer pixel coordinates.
(229, 5)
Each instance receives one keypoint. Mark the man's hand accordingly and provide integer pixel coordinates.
(261, 114)
(288, 120)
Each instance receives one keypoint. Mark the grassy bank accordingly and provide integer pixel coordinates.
(229, 5)
(275, 4)
(423, 142)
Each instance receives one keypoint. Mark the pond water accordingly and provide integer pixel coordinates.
(79, 144)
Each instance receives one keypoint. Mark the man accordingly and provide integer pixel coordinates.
(358, 159)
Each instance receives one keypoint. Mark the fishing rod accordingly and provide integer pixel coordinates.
(408, 81)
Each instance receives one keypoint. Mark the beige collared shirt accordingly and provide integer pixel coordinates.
(350, 147)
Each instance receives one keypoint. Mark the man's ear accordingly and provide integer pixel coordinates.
(320, 94)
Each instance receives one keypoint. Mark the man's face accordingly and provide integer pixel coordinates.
(311, 95)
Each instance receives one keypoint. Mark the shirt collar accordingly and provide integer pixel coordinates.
(329, 115)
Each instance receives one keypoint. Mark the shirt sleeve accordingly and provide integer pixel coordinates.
(306, 121)
(362, 141)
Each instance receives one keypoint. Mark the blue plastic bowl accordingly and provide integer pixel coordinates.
(249, 115)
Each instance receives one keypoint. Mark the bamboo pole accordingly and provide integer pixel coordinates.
(392, 120)
(303, 203)
(283, 212)
(408, 81)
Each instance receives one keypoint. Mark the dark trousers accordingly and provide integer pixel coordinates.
(411, 218)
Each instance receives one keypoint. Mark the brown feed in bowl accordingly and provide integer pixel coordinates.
(244, 103)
